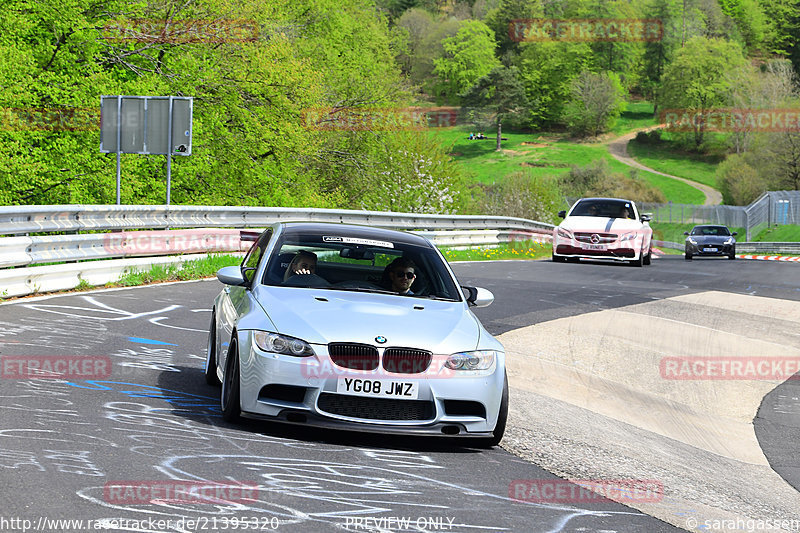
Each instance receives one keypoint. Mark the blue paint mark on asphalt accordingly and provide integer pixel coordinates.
(140, 340)
(189, 403)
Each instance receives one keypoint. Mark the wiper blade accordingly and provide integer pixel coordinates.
(362, 289)
(434, 297)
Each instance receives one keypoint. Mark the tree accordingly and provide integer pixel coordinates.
(774, 85)
(546, 71)
(696, 81)
(784, 37)
(501, 17)
(428, 50)
(597, 101)
(468, 56)
(498, 94)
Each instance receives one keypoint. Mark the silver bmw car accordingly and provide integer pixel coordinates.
(355, 328)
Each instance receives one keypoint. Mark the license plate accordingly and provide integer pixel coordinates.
(378, 388)
(710, 250)
(594, 247)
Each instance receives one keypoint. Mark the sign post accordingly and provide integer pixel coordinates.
(157, 125)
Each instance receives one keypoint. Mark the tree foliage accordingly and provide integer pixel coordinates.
(697, 80)
(468, 55)
(597, 101)
(495, 97)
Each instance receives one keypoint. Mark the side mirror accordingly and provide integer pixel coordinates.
(735, 233)
(231, 275)
(686, 233)
(478, 297)
(562, 214)
(645, 218)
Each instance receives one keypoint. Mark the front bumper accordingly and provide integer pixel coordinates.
(611, 252)
(304, 391)
(703, 249)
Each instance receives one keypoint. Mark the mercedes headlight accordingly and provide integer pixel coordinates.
(627, 237)
(274, 343)
(564, 234)
(478, 360)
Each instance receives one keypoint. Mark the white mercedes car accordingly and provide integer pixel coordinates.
(603, 228)
(355, 328)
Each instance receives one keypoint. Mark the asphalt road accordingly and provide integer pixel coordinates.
(65, 446)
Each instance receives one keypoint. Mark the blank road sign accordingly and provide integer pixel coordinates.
(158, 125)
(144, 127)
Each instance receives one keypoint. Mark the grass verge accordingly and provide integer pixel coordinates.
(514, 250)
(664, 231)
(195, 269)
(788, 233)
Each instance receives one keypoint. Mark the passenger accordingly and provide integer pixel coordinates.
(303, 263)
(400, 275)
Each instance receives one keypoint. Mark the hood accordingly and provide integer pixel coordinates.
(600, 224)
(321, 316)
(711, 239)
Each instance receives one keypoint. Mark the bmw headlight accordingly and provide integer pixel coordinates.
(564, 234)
(478, 360)
(274, 343)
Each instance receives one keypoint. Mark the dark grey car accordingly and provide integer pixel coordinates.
(710, 240)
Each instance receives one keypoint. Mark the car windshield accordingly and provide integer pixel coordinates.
(333, 261)
(711, 230)
(603, 208)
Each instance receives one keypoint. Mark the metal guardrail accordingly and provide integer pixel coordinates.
(19, 220)
(768, 247)
(212, 230)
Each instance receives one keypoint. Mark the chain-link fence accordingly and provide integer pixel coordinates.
(773, 207)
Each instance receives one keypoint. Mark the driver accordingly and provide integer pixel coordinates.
(302, 263)
(401, 273)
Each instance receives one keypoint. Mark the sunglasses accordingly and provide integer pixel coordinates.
(407, 275)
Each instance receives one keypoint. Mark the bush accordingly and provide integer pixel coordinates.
(597, 179)
(739, 182)
(597, 101)
(649, 137)
(523, 195)
(411, 174)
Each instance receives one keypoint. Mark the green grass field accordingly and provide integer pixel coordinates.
(679, 163)
(637, 115)
(788, 233)
(544, 155)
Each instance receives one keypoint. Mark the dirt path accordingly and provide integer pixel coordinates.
(619, 151)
